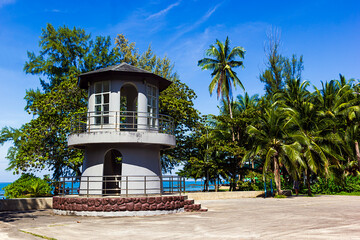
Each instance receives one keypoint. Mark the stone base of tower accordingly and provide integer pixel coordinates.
(123, 206)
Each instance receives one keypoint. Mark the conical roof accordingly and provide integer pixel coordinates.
(122, 71)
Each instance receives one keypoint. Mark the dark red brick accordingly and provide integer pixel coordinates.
(196, 206)
(112, 201)
(151, 200)
(104, 201)
(120, 201)
(130, 206)
(122, 207)
(107, 208)
(92, 208)
(91, 202)
(153, 206)
(145, 207)
(98, 202)
(84, 207)
(160, 206)
(167, 206)
(158, 200)
(143, 200)
(137, 206)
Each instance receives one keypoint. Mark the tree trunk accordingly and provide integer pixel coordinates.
(253, 167)
(231, 116)
(357, 153)
(307, 171)
(277, 175)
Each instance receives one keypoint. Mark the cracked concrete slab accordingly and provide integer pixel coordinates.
(321, 217)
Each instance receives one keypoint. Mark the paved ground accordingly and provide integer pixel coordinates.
(324, 217)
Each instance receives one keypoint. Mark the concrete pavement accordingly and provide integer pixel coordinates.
(322, 217)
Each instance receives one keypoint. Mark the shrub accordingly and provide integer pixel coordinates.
(247, 186)
(330, 186)
(27, 186)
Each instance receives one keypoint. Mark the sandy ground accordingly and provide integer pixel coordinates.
(322, 217)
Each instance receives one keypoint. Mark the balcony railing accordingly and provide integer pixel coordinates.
(117, 185)
(121, 121)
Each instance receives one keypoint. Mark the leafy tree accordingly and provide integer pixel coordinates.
(208, 157)
(270, 141)
(42, 143)
(65, 53)
(280, 70)
(27, 186)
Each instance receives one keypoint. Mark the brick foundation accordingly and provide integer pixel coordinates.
(115, 204)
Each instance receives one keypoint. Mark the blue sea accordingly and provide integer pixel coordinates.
(2, 185)
(190, 186)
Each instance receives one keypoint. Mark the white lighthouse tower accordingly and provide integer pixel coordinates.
(122, 132)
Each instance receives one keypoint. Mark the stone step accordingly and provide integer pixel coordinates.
(191, 206)
(189, 202)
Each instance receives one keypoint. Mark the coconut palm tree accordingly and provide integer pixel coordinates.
(246, 102)
(222, 63)
(270, 140)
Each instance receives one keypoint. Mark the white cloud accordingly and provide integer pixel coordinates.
(6, 2)
(55, 10)
(196, 24)
(164, 11)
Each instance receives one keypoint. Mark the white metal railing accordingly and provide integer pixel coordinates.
(118, 185)
(121, 121)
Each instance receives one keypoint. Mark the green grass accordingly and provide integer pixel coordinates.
(37, 235)
(280, 196)
(348, 193)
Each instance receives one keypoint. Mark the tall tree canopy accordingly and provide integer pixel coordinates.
(64, 54)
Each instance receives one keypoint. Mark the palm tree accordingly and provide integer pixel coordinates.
(315, 151)
(222, 65)
(270, 141)
(246, 102)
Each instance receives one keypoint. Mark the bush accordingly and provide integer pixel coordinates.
(247, 186)
(330, 186)
(27, 186)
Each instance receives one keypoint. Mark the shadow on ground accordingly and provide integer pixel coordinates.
(12, 216)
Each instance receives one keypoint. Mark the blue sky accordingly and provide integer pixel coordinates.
(326, 33)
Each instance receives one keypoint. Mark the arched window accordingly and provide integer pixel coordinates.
(152, 104)
(112, 172)
(128, 107)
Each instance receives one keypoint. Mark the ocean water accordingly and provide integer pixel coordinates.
(2, 185)
(190, 186)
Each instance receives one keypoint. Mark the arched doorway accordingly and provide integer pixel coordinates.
(112, 172)
(128, 107)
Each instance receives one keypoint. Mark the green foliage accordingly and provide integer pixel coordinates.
(222, 65)
(64, 54)
(333, 186)
(28, 186)
(249, 186)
